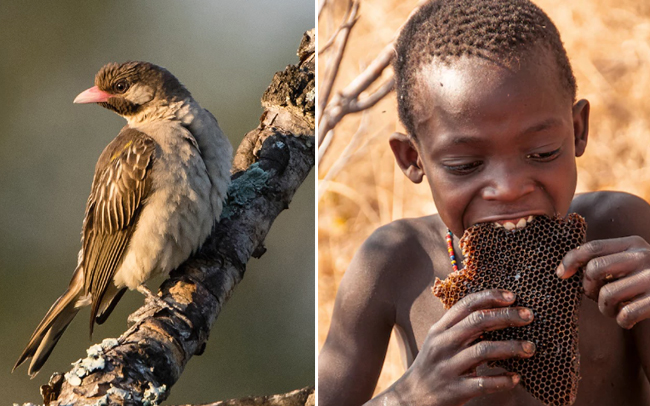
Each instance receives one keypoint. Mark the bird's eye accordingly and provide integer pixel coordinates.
(121, 86)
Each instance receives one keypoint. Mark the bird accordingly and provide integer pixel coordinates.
(157, 191)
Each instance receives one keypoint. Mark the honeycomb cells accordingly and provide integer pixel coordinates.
(524, 261)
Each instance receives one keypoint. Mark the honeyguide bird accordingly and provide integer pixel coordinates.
(157, 191)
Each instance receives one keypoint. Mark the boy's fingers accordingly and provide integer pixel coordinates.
(480, 321)
(483, 385)
(613, 296)
(476, 301)
(579, 257)
(634, 312)
(621, 296)
(483, 351)
(602, 270)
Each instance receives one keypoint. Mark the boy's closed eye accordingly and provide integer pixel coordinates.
(545, 156)
(462, 168)
(468, 167)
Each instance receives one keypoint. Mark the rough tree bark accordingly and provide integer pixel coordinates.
(300, 397)
(142, 365)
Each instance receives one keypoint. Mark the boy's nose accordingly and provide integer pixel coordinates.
(508, 186)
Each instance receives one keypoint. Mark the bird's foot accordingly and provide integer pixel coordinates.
(150, 296)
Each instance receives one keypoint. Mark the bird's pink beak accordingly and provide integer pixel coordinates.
(92, 95)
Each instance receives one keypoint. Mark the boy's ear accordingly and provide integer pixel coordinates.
(581, 125)
(407, 156)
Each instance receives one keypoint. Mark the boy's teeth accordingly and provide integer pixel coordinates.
(512, 224)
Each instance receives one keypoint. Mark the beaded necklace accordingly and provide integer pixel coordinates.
(450, 250)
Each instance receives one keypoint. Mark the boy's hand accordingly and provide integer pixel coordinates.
(444, 372)
(616, 274)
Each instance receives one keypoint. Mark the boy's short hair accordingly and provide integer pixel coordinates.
(497, 30)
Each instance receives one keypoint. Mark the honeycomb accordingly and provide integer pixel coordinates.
(524, 261)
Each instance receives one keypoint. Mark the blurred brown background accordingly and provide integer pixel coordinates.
(226, 53)
(608, 42)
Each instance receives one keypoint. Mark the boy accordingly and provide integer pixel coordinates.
(487, 95)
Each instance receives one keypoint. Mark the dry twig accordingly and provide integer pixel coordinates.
(321, 6)
(341, 41)
(349, 99)
(348, 22)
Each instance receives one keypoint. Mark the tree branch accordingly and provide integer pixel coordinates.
(142, 365)
(349, 20)
(321, 6)
(340, 38)
(299, 397)
(349, 99)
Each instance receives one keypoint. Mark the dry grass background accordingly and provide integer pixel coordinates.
(608, 42)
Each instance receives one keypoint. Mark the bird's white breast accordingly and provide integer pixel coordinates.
(190, 177)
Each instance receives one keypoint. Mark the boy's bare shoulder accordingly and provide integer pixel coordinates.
(393, 251)
(401, 240)
(404, 233)
(612, 214)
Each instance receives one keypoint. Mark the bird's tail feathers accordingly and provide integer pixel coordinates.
(109, 300)
(53, 325)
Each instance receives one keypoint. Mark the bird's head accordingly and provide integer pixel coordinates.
(133, 89)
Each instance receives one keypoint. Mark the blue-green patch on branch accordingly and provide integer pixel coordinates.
(244, 189)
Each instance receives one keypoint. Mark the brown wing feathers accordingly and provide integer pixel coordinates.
(121, 184)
